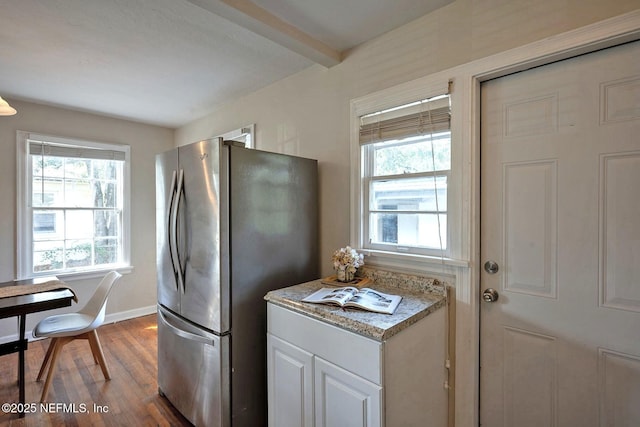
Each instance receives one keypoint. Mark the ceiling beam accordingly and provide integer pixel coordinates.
(260, 21)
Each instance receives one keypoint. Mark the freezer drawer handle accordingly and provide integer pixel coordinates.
(185, 334)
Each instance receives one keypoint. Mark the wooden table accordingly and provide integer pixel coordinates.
(22, 305)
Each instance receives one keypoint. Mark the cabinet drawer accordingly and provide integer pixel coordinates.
(353, 352)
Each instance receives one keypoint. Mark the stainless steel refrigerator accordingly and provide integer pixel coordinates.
(232, 224)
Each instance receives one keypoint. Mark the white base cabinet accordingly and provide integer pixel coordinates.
(344, 399)
(290, 385)
(320, 375)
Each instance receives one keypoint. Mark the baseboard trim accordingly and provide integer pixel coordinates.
(109, 318)
(130, 314)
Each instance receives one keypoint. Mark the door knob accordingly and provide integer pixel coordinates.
(490, 295)
(491, 267)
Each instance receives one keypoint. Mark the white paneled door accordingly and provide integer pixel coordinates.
(560, 244)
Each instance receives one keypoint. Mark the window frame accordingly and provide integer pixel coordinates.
(367, 152)
(245, 134)
(24, 213)
(436, 261)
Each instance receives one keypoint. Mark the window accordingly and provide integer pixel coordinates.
(73, 202)
(244, 134)
(404, 154)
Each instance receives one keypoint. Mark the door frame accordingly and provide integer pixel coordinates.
(467, 79)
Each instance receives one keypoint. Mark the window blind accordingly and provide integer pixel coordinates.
(418, 118)
(44, 148)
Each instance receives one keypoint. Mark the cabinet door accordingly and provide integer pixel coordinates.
(343, 399)
(290, 384)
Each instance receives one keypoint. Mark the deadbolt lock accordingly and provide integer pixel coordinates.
(491, 267)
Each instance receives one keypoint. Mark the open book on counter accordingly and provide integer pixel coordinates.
(365, 298)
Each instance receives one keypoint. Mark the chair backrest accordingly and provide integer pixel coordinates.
(97, 305)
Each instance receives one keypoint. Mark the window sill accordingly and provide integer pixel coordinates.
(93, 274)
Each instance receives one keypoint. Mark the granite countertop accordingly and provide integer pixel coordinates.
(413, 307)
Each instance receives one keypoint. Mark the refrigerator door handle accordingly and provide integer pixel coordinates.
(170, 227)
(184, 334)
(174, 230)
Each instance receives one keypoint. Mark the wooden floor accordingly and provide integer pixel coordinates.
(79, 394)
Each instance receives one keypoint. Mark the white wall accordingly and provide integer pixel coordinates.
(136, 290)
(307, 114)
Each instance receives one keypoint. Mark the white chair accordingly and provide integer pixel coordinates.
(64, 328)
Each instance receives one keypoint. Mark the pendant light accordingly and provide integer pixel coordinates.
(6, 109)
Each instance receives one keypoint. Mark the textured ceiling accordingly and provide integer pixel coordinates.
(168, 62)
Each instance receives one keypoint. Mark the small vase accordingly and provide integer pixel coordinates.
(345, 276)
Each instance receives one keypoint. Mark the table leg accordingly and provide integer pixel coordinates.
(21, 382)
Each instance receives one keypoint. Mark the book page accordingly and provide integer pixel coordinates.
(329, 295)
(372, 300)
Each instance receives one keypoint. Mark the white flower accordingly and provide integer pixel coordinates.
(347, 259)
